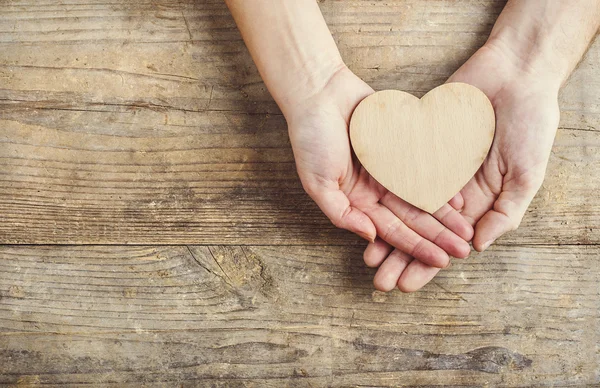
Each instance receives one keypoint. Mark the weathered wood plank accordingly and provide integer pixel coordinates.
(123, 121)
(294, 316)
(81, 187)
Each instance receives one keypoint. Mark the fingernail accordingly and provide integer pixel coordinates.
(366, 237)
(486, 245)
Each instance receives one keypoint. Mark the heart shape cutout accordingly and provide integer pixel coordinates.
(424, 150)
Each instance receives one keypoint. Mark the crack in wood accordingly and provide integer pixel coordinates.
(488, 359)
(223, 277)
(448, 291)
(187, 26)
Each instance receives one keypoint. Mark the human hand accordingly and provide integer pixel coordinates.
(352, 199)
(527, 116)
(497, 197)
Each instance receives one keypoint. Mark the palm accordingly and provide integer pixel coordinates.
(352, 199)
(327, 157)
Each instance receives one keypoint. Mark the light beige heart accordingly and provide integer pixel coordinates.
(424, 150)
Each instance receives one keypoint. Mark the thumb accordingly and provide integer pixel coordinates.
(336, 206)
(506, 215)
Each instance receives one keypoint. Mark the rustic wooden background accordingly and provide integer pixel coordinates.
(155, 231)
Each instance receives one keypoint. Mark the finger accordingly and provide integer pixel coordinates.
(478, 199)
(392, 230)
(336, 206)
(454, 221)
(376, 252)
(428, 227)
(508, 211)
(457, 202)
(416, 275)
(388, 274)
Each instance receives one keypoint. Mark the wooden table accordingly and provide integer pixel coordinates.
(155, 230)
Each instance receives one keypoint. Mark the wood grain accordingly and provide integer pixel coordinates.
(146, 122)
(424, 150)
(123, 121)
(294, 316)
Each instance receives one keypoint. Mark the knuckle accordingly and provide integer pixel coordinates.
(392, 229)
(438, 236)
(401, 256)
(418, 250)
(338, 220)
(412, 214)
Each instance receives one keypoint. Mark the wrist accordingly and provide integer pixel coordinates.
(305, 82)
(527, 60)
(524, 64)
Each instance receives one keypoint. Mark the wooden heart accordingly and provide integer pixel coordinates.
(424, 150)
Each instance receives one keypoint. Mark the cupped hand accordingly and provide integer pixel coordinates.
(527, 115)
(352, 199)
(495, 200)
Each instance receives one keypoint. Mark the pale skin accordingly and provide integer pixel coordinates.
(532, 50)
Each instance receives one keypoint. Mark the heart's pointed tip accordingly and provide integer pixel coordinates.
(432, 208)
(429, 210)
(425, 207)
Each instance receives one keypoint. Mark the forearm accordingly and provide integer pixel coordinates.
(290, 44)
(546, 37)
